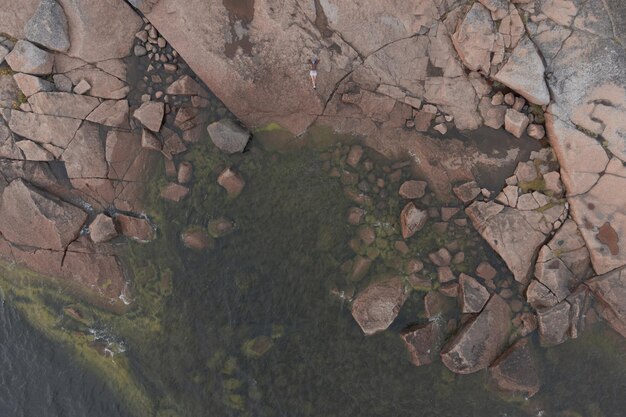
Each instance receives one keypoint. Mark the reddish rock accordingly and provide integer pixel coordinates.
(539, 296)
(103, 84)
(360, 268)
(172, 144)
(481, 340)
(149, 140)
(354, 156)
(486, 271)
(376, 306)
(515, 122)
(186, 86)
(607, 236)
(413, 266)
(367, 234)
(232, 182)
(135, 228)
(196, 239)
(355, 215)
(174, 192)
(436, 304)
(33, 218)
(102, 228)
(440, 258)
(554, 324)
(85, 156)
(467, 192)
(610, 292)
(63, 104)
(423, 342)
(412, 189)
(580, 301)
(536, 131)
(472, 294)
(221, 227)
(516, 370)
(185, 172)
(448, 212)
(475, 38)
(493, 115)
(228, 136)
(41, 128)
(450, 290)
(112, 113)
(412, 220)
(445, 274)
(30, 84)
(28, 58)
(150, 114)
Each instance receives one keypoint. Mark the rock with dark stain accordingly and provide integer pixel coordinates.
(609, 237)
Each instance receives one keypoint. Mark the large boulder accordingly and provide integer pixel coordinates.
(48, 27)
(32, 218)
(150, 114)
(472, 294)
(516, 371)
(610, 292)
(63, 104)
(228, 136)
(28, 58)
(423, 342)
(41, 128)
(481, 340)
(475, 38)
(375, 307)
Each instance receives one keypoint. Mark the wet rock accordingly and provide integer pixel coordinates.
(26, 57)
(88, 28)
(32, 218)
(610, 292)
(445, 274)
(440, 258)
(258, 346)
(524, 73)
(450, 290)
(474, 40)
(423, 342)
(135, 228)
(481, 340)
(30, 84)
(221, 227)
(554, 323)
(516, 370)
(355, 216)
(172, 144)
(472, 294)
(196, 239)
(448, 212)
(185, 172)
(539, 296)
(63, 104)
(376, 306)
(367, 234)
(360, 268)
(186, 86)
(174, 192)
(437, 305)
(150, 114)
(580, 301)
(515, 122)
(113, 113)
(486, 271)
(232, 182)
(467, 192)
(412, 189)
(102, 228)
(228, 136)
(412, 220)
(188, 118)
(354, 156)
(48, 27)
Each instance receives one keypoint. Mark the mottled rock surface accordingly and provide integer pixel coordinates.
(48, 27)
(228, 136)
(376, 306)
(516, 370)
(423, 342)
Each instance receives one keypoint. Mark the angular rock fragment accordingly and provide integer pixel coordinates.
(472, 294)
(467, 192)
(58, 131)
(150, 114)
(220, 227)
(516, 371)
(112, 113)
(375, 307)
(26, 57)
(610, 292)
(186, 86)
(412, 220)
(34, 152)
(412, 189)
(85, 156)
(232, 182)
(63, 104)
(30, 84)
(228, 136)
(554, 324)
(515, 122)
(423, 342)
(135, 228)
(174, 192)
(48, 27)
(474, 39)
(102, 228)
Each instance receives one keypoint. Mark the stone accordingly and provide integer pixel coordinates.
(150, 114)
(354, 156)
(519, 103)
(185, 172)
(445, 274)
(82, 87)
(174, 192)
(30, 84)
(412, 220)
(102, 228)
(412, 189)
(493, 116)
(30, 217)
(474, 39)
(524, 73)
(48, 27)
(515, 122)
(103, 84)
(112, 113)
(139, 50)
(186, 86)
(232, 182)
(516, 370)
(136, 228)
(610, 292)
(85, 156)
(173, 144)
(422, 120)
(423, 342)
(8, 148)
(367, 234)
(509, 99)
(26, 57)
(509, 196)
(441, 128)
(441, 257)
(88, 28)
(220, 227)
(472, 294)
(44, 129)
(539, 296)
(360, 268)
(437, 305)
(63, 104)
(62, 83)
(196, 239)
(375, 307)
(3, 53)
(467, 192)
(355, 216)
(497, 99)
(481, 340)
(228, 136)
(554, 323)
(190, 117)
(486, 271)
(448, 212)
(34, 152)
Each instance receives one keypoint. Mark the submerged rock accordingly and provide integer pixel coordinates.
(376, 307)
(136, 228)
(610, 292)
(232, 182)
(102, 228)
(258, 346)
(196, 239)
(174, 192)
(472, 294)
(515, 371)
(221, 227)
(481, 340)
(228, 136)
(423, 342)
(412, 189)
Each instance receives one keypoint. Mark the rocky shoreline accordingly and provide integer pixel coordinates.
(85, 124)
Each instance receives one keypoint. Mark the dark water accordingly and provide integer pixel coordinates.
(40, 379)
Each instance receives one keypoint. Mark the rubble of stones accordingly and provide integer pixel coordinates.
(479, 319)
(77, 146)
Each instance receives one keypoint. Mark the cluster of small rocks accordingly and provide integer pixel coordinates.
(426, 116)
(514, 113)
